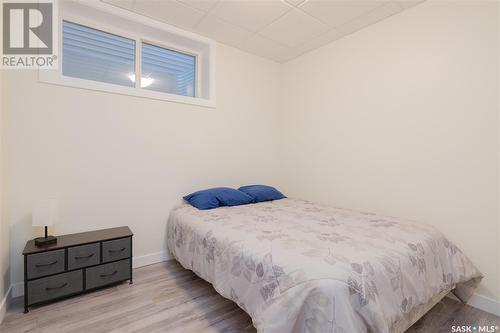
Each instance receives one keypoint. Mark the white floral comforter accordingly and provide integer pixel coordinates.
(295, 266)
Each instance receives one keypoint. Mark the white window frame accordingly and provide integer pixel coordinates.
(204, 93)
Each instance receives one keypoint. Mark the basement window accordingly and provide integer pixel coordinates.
(167, 70)
(134, 55)
(95, 55)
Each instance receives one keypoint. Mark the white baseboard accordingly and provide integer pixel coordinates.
(17, 289)
(149, 259)
(485, 303)
(3, 304)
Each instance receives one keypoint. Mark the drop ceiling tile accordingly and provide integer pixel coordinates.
(319, 41)
(335, 13)
(284, 58)
(250, 14)
(205, 5)
(267, 48)
(294, 28)
(286, 29)
(171, 12)
(222, 31)
(295, 3)
(409, 3)
(371, 17)
(127, 4)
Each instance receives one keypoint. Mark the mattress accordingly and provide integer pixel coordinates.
(297, 266)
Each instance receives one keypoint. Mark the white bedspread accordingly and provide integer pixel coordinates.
(295, 266)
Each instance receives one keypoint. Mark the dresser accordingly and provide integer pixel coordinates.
(76, 264)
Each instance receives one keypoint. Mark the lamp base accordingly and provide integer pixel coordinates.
(43, 241)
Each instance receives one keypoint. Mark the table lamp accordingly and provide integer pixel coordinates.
(45, 214)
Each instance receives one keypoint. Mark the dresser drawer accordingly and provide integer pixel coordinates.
(84, 255)
(116, 249)
(45, 263)
(108, 273)
(51, 287)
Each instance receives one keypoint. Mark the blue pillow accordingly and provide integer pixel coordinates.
(261, 193)
(217, 197)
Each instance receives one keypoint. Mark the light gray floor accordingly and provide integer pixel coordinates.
(167, 298)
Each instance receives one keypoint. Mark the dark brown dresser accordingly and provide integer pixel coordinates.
(76, 264)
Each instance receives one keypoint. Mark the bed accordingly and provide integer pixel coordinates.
(297, 266)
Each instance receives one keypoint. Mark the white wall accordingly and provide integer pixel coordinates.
(402, 118)
(118, 160)
(4, 226)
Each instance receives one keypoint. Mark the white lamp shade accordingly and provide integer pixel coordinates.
(45, 213)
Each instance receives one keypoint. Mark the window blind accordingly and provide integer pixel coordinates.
(168, 70)
(96, 55)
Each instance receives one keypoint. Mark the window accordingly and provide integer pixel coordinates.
(96, 55)
(167, 70)
(100, 56)
(105, 48)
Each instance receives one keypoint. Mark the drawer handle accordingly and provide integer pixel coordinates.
(54, 288)
(45, 265)
(120, 250)
(108, 275)
(84, 257)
